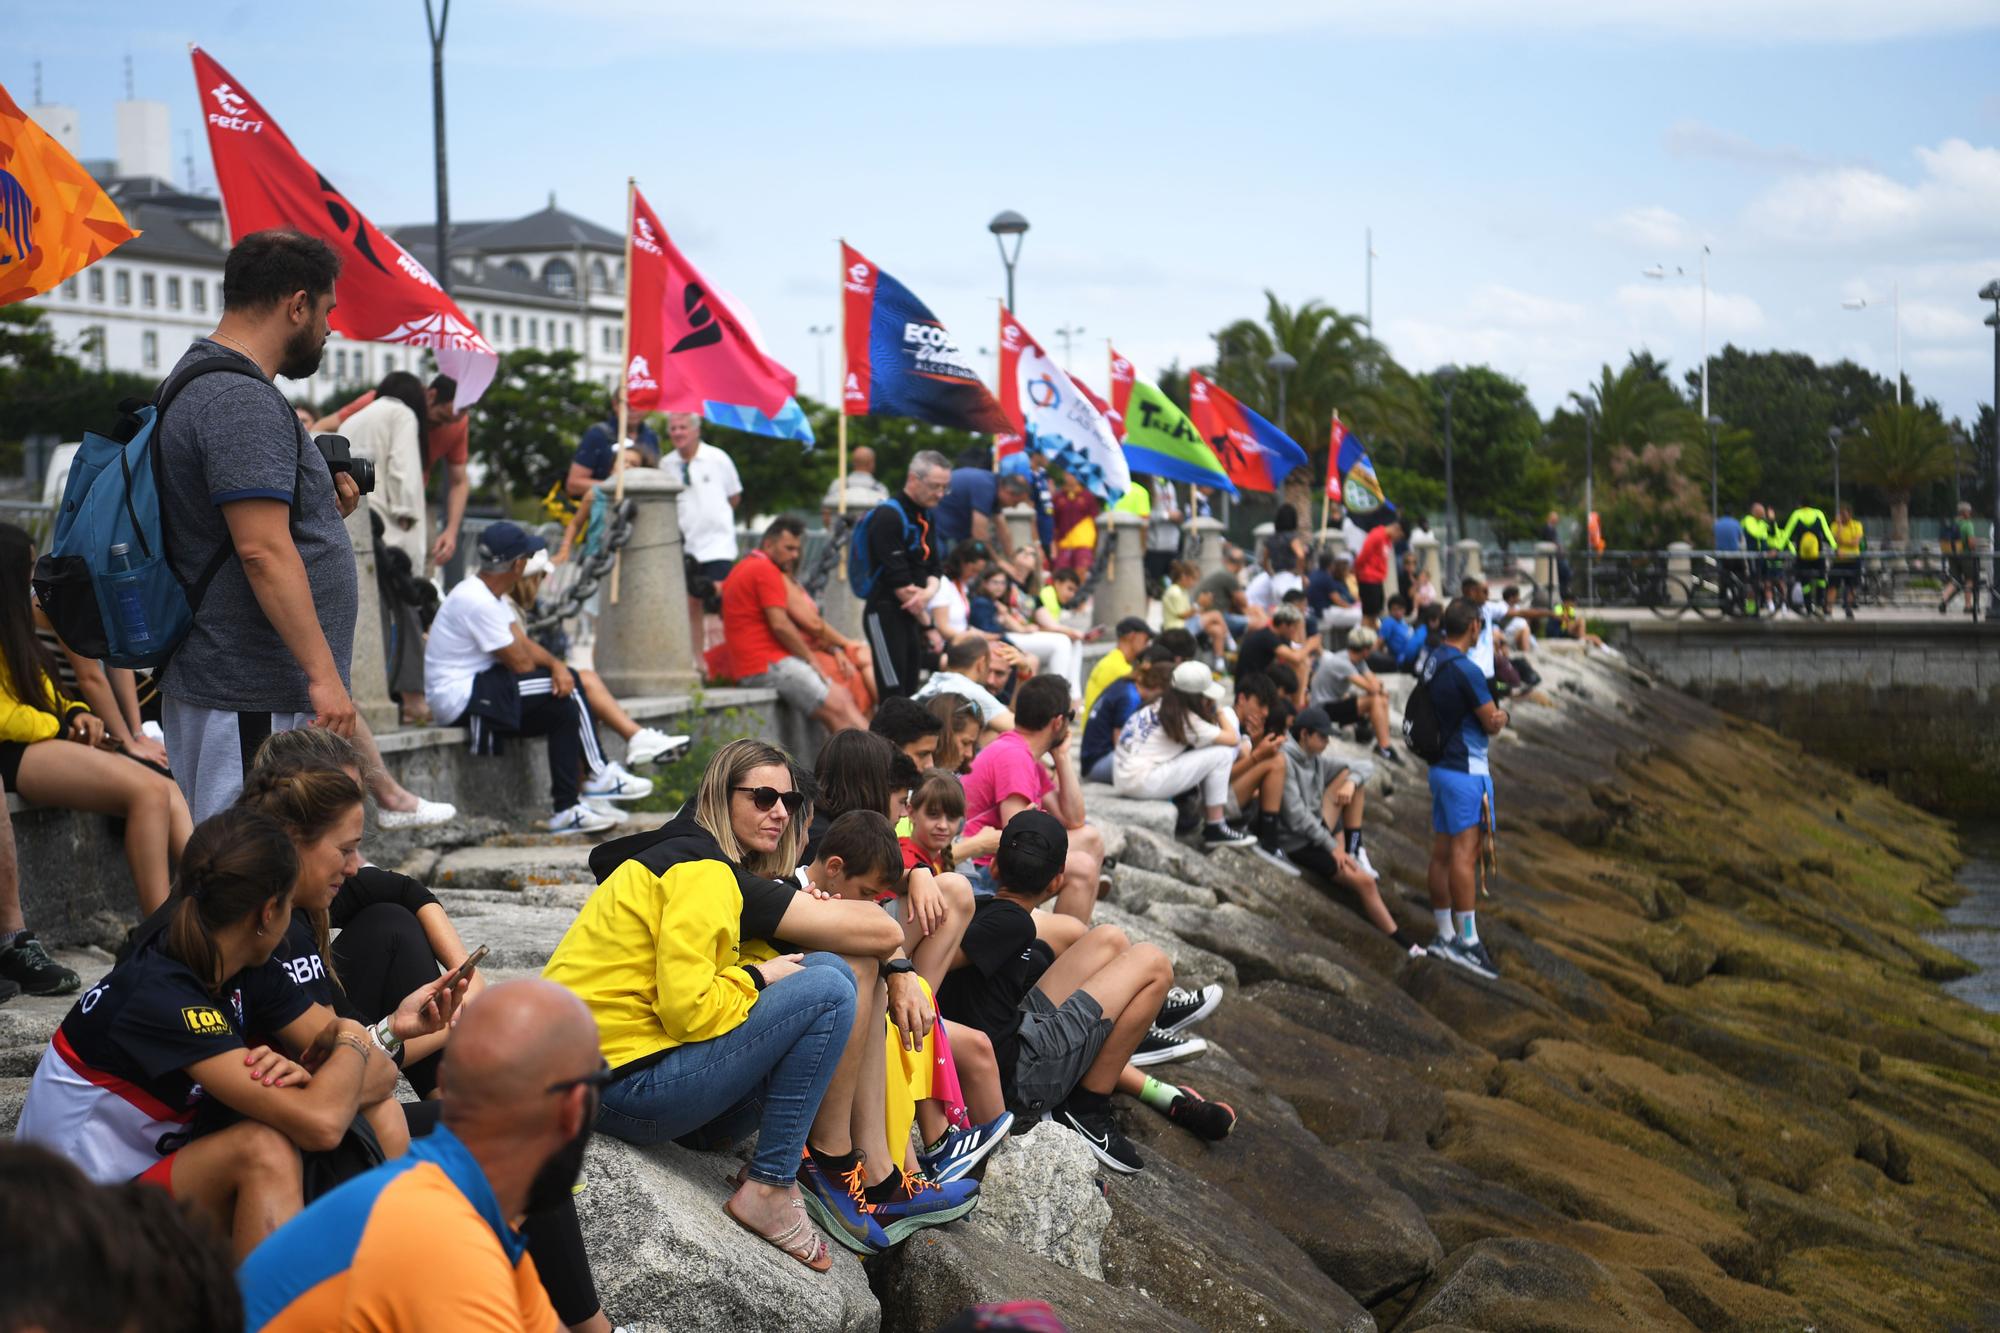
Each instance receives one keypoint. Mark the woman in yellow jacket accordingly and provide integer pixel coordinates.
(38, 762)
(700, 1039)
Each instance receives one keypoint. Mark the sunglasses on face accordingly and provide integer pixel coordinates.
(766, 797)
(595, 1080)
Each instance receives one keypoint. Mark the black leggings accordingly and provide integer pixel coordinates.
(555, 1238)
(382, 955)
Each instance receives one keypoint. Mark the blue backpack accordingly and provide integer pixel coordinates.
(862, 571)
(106, 582)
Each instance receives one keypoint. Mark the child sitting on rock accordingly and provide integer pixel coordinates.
(1064, 1029)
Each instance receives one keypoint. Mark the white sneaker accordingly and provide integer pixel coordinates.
(425, 815)
(1367, 866)
(648, 746)
(579, 818)
(615, 784)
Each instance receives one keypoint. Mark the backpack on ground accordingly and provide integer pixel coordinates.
(106, 582)
(1423, 734)
(862, 571)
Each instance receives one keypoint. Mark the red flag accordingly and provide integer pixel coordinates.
(1333, 443)
(1104, 409)
(383, 294)
(686, 348)
(1121, 391)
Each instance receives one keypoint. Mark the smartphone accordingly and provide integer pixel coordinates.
(464, 969)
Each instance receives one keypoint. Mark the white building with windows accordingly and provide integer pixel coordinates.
(549, 280)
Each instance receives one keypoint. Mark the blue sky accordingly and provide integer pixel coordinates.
(1519, 168)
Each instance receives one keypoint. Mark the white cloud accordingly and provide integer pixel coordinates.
(1955, 200)
(1942, 323)
(881, 23)
(1653, 229)
(1651, 303)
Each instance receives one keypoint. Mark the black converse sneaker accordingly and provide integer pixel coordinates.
(1225, 834)
(1158, 1046)
(1184, 1007)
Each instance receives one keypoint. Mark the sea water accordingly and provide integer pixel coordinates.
(1974, 930)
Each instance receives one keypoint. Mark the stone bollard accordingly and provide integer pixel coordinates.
(1210, 559)
(1429, 558)
(643, 646)
(1122, 590)
(838, 605)
(1680, 565)
(1021, 525)
(368, 677)
(1545, 569)
(1471, 561)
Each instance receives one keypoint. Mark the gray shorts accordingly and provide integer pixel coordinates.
(796, 683)
(211, 749)
(1057, 1047)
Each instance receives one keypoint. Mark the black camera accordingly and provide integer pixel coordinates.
(339, 458)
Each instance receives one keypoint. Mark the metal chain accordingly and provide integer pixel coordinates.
(590, 573)
(394, 577)
(1098, 560)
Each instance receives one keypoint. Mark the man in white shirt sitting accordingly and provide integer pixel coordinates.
(482, 671)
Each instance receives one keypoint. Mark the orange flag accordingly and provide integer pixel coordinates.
(54, 220)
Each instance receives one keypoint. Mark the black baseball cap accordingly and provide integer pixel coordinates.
(1033, 848)
(501, 544)
(1313, 719)
(1134, 625)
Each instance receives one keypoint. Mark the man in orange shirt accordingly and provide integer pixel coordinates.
(427, 1242)
(764, 644)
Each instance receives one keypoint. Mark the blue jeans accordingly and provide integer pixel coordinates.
(768, 1073)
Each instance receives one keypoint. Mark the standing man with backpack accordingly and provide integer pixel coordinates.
(1449, 717)
(273, 631)
(895, 566)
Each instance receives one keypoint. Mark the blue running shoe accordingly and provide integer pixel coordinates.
(964, 1149)
(924, 1203)
(837, 1205)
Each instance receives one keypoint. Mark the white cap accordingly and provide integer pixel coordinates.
(1194, 678)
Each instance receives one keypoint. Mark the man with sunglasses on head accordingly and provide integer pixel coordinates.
(427, 1241)
(483, 672)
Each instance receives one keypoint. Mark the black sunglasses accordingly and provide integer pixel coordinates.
(594, 1080)
(766, 797)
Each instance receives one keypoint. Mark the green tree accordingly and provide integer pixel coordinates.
(785, 475)
(1340, 367)
(526, 425)
(45, 391)
(1896, 450)
(1499, 468)
(1777, 407)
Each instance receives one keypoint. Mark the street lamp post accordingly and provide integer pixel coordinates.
(1658, 273)
(1714, 493)
(1991, 292)
(1004, 224)
(1281, 363)
(819, 334)
(1958, 443)
(1896, 316)
(1833, 434)
(1446, 376)
(435, 24)
(1068, 333)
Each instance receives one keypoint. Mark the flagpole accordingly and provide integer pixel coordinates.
(1323, 488)
(624, 380)
(840, 407)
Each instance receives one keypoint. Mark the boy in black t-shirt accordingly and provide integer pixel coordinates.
(1064, 1029)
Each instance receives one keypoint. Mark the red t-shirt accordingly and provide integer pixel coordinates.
(1371, 564)
(753, 586)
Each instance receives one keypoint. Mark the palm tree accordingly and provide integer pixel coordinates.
(1638, 406)
(1341, 367)
(1898, 450)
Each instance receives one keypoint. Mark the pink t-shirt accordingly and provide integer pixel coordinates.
(1004, 768)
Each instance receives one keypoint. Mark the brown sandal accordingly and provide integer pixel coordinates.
(799, 1240)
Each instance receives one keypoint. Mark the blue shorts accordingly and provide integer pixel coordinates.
(1456, 800)
(984, 886)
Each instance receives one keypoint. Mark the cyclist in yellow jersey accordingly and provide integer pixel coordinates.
(1807, 526)
(1757, 537)
(1848, 539)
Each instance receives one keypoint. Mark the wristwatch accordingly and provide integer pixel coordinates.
(391, 1044)
(898, 967)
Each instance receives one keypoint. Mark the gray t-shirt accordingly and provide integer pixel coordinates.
(228, 438)
(1333, 677)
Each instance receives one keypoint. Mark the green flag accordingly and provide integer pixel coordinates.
(1160, 441)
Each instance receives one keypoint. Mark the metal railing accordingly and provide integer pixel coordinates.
(1715, 585)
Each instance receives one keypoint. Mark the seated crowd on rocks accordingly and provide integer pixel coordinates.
(871, 970)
